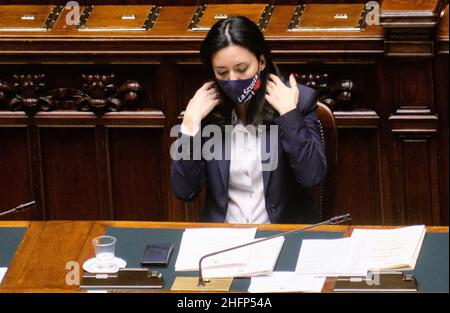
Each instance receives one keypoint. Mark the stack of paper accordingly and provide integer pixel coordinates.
(392, 248)
(258, 259)
(366, 250)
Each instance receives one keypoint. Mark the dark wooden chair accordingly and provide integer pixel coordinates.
(324, 194)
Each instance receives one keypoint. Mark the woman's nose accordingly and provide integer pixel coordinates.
(233, 75)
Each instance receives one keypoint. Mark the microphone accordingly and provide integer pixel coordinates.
(20, 208)
(332, 221)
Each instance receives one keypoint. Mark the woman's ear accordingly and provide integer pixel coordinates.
(262, 63)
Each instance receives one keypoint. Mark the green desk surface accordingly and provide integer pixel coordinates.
(131, 242)
(432, 265)
(10, 238)
(431, 269)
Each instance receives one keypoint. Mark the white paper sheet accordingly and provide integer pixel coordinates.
(2, 272)
(332, 257)
(286, 282)
(366, 249)
(392, 248)
(261, 261)
(197, 242)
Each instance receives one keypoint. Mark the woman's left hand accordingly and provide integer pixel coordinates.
(280, 96)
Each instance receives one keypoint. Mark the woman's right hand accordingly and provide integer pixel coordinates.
(201, 104)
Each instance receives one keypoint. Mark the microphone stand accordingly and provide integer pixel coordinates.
(20, 208)
(185, 283)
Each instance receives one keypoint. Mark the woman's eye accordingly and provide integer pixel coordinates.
(242, 70)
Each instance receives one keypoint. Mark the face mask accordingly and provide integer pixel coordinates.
(241, 90)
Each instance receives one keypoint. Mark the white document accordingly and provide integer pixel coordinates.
(197, 242)
(286, 282)
(332, 257)
(2, 272)
(396, 248)
(97, 291)
(262, 258)
(366, 250)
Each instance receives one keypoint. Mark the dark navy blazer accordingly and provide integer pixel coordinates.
(301, 164)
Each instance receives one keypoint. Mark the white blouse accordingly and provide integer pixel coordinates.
(246, 202)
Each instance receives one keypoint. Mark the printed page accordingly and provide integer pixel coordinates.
(332, 257)
(197, 242)
(286, 282)
(392, 248)
(262, 259)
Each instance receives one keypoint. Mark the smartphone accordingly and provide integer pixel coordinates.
(157, 254)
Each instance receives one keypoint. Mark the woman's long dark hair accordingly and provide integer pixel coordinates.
(241, 31)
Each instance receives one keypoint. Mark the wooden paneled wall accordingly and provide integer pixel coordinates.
(392, 135)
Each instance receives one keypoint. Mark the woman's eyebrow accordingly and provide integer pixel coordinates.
(239, 64)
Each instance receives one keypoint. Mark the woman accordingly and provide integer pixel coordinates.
(246, 90)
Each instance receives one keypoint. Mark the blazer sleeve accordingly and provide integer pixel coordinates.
(300, 139)
(187, 174)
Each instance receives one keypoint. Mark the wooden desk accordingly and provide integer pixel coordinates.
(40, 261)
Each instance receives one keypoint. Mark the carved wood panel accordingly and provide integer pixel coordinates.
(135, 166)
(70, 173)
(416, 177)
(78, 88)
(15, 178)
(358, 182)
